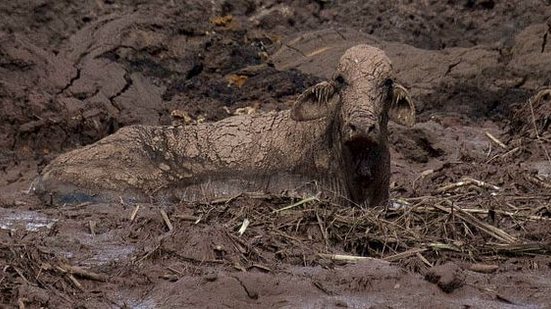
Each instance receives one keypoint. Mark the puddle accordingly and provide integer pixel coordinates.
(102, 249)
(29, 220)
(147, 303)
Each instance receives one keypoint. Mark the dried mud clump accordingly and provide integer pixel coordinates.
(533, 118)
(447, 277)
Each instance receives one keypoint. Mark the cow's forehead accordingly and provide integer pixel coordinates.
(365, 60)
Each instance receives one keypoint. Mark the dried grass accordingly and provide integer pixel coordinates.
(461, 222)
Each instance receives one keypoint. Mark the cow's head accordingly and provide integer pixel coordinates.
(359, 100)
(362, 95)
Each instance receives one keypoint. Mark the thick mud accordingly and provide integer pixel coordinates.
(471, 181)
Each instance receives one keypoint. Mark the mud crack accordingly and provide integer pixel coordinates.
(544, 43)
(125, 88)
(251, 294)
(70, 83)
(451, 66)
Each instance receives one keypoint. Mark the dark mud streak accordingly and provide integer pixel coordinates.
(70, 83)
(110, 54)
(250, 294)
(322, 288)
(296, 49)
(544, 43)
(127, 86)
(451, 66)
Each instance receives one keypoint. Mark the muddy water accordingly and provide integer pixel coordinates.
(31, 221)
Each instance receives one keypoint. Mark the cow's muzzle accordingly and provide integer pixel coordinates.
(362, 149)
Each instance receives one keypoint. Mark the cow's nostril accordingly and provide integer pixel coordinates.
(353, 128)
(371, 129)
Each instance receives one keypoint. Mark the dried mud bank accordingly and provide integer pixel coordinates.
(471, 181)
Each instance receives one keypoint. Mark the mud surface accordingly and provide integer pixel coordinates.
(471, 182)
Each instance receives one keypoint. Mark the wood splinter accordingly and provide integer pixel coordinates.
(166, 220)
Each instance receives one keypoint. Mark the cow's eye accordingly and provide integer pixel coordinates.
(340, 79)
(389, 82)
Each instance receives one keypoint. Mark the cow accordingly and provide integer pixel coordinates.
(333, 141)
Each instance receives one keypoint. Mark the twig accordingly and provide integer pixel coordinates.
(441, 246)
(134, 213)
(495, 140)
(508, 153)
(452, 186)
(166, 220)
(349, 258)
(487, 212)
(466, 181)
(537, 247)
(21, 303)
(482, 184)
(538, 182)
(423, 259)
(83, 273)
(303, 201)
(538, 97)
(187, 217)
(150, 252)
(75, 282)
(20, 274)
(223, 200)
(265, 268)
(244, 226)
(92, 227)
(403, 255)
(489, 229)
(322, 230)
(483, 268)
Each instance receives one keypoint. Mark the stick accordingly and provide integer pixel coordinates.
(487, 212)
(423, 259)
(483, 268)
(489, 229)
(21, 303)
(349, 258)
(92, 226)
(175, 271)
(495, 140)
(481, 183)
(538, 97)
(81, 272)
(167, 220)
(259, 266)
(442, 246)
(187, 217)
(466, 182)
(75, 282)
(403, 255)
(303, 201)
(244, 226)
(134, 213)
(20, 274)
(538, 182)
(322, 230)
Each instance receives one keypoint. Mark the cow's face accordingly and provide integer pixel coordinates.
(359, 100)
(362, 96)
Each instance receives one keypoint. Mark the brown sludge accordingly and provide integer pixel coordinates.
(467, 225)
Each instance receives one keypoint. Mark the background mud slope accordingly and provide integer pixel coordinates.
(471, 181)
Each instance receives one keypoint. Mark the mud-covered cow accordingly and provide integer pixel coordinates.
(333, 140)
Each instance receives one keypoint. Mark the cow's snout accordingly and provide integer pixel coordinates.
(370, 130)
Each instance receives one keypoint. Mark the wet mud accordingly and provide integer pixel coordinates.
(468, 225)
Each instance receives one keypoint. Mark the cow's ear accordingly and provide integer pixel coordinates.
(402, 109)
(315, 102)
